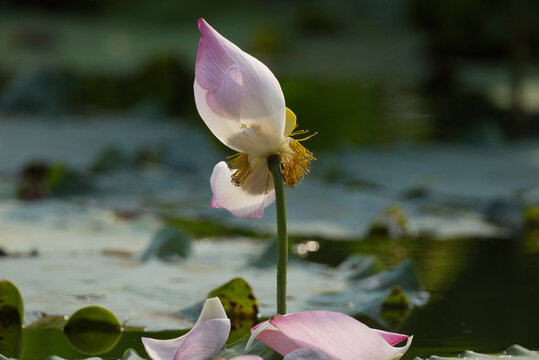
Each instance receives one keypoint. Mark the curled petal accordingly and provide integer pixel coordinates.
(162, 349)
(248, 200)
(206, 338)
(234, 88)
(204, 341)
(337, 335)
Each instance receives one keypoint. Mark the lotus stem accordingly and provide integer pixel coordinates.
(275, 166)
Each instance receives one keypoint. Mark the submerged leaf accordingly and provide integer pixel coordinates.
(93, 330)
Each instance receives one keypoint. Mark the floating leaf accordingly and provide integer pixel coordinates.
(108, 159)
(268, 256)
(513, 352)
(168, 244)
(12, 314)
(93, 330)
(385, 296)
(239, 303)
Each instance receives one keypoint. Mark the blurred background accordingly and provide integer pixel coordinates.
(427, 115)
(360, 72)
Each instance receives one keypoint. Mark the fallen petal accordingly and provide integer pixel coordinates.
(204, 341)
(206, 338)
(392, 338)
(338, 335)
(162, 349)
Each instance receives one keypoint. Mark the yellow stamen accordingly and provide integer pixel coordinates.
(296, 162)
(239, 162)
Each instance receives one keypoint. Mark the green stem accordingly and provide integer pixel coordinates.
(275, 166)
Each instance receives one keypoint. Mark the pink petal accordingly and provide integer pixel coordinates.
(232, 87)
(247, 201)
(392, 338)
(272, 337)
(247, 357)
(204, 341)
(338, 335)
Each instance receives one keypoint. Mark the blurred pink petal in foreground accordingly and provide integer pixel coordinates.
(203, 342)
(330, 335)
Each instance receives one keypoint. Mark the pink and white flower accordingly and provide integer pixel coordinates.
(335, 335)
(242, 103)
(203, 342)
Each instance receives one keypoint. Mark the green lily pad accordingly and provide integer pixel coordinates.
(239, 303)
(237, 298)
(385, 297)
(12, 314)
(93, 330)
(513, 352)
(168, 244)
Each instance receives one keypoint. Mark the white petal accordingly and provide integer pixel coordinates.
(212, 309)
(219, 124)
(212, 312)
(247, 201)
(204, 341)
(162, 349)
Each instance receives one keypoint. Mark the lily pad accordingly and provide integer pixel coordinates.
(169, 244)
(385, 297)
(268, 256)
(93, 330)
(513, 352)
(11, 313)
(240, 304)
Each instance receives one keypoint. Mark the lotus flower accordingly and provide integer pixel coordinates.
(329, 335)
(242, 103)
(204, 341)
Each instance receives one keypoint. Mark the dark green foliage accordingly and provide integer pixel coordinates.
(40, 180)
(11, 319)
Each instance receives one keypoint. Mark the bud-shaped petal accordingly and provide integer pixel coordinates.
(235, 92)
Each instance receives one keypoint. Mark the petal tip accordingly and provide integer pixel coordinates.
(201, 23)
